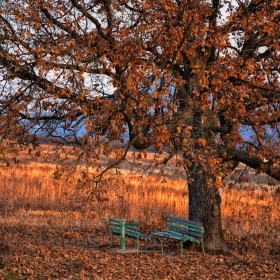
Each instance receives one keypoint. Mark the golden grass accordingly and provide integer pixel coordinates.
(30, 195)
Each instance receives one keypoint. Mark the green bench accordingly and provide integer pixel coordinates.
(131, 230)
(181, 230)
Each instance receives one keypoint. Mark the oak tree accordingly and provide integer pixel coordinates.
(196, 79)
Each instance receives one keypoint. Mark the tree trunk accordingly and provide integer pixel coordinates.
(204, 206)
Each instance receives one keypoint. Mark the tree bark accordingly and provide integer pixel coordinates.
(205, 207)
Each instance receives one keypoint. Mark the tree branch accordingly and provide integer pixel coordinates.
(66, 29)
(251, 161)
(94, 20)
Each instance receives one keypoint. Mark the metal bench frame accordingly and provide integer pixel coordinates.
(181, 230)
(131, 230)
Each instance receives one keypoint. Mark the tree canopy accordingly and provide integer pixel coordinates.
(197, 79)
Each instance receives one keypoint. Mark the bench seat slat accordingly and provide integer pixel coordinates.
(137, 235)
(184, 234)
(176, 237)
(167, 235)
(145, 236)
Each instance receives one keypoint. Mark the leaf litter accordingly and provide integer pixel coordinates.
(44, 253)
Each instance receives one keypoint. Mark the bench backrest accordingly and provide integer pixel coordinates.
(115, 225)
(131, 228)
(185, 227)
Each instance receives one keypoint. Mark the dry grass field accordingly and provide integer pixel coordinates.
(30, 193)
(31, 198)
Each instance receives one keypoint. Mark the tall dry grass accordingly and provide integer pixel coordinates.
(30, 194)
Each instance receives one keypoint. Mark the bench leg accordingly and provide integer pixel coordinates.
(137, 246)
(181, 247)
(161, 243)
(202, 246)
(111, 239)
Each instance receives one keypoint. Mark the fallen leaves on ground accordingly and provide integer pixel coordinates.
(44, 253)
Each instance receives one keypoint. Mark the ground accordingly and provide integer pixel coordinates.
(28, 252)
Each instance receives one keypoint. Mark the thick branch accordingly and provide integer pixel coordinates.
(253, 162)
(25, 74)
(217, 129)
(252, 85)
